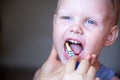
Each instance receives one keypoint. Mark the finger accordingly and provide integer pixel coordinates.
(53, 55)
(71, 64)
(36, 76)
(93, 59)
(88, 57)
(83, 67)
(91, 73)
(52, 62)
(97, 78)
(53, 58)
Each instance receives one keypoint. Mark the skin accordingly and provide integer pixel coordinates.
(88, 22)
(53, 69)
(72, 22)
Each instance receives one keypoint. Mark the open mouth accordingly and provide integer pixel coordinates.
(75, 46)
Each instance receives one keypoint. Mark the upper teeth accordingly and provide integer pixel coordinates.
(73, 41)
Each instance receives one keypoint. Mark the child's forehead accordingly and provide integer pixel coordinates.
(85, 4)
(62, 2)
(88, 5)
(100, 9)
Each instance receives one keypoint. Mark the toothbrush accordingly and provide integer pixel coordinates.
(70, 52)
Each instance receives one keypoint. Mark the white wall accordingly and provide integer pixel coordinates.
(27, 34)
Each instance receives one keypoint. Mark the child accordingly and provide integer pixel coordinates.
(86, 26)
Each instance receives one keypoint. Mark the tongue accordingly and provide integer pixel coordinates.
(76, 48)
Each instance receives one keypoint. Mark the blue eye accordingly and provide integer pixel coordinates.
(67, 17)
(90, 22)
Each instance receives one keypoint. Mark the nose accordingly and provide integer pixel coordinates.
(77, 29)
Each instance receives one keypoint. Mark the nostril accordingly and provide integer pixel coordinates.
(77, 31)
(71, 30)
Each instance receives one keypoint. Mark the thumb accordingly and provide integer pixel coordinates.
(53, 55)
(53, 61)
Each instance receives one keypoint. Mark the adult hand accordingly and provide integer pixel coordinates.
(52, 69)
(84, 71)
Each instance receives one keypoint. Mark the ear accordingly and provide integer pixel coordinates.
(112, 36)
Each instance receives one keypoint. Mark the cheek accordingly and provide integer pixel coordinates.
(97, 36)
(96, 42)
(58, 34)
(59, 30)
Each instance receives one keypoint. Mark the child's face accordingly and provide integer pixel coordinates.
(85, 22)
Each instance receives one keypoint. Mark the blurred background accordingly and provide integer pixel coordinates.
(26, 38)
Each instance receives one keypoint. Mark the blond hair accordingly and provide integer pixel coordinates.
(115, 5)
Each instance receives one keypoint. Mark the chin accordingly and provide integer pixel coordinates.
(63, 59)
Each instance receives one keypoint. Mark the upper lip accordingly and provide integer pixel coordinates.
(75, 41)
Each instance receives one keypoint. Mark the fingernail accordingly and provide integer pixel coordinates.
(94, 56)
(88, 57)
